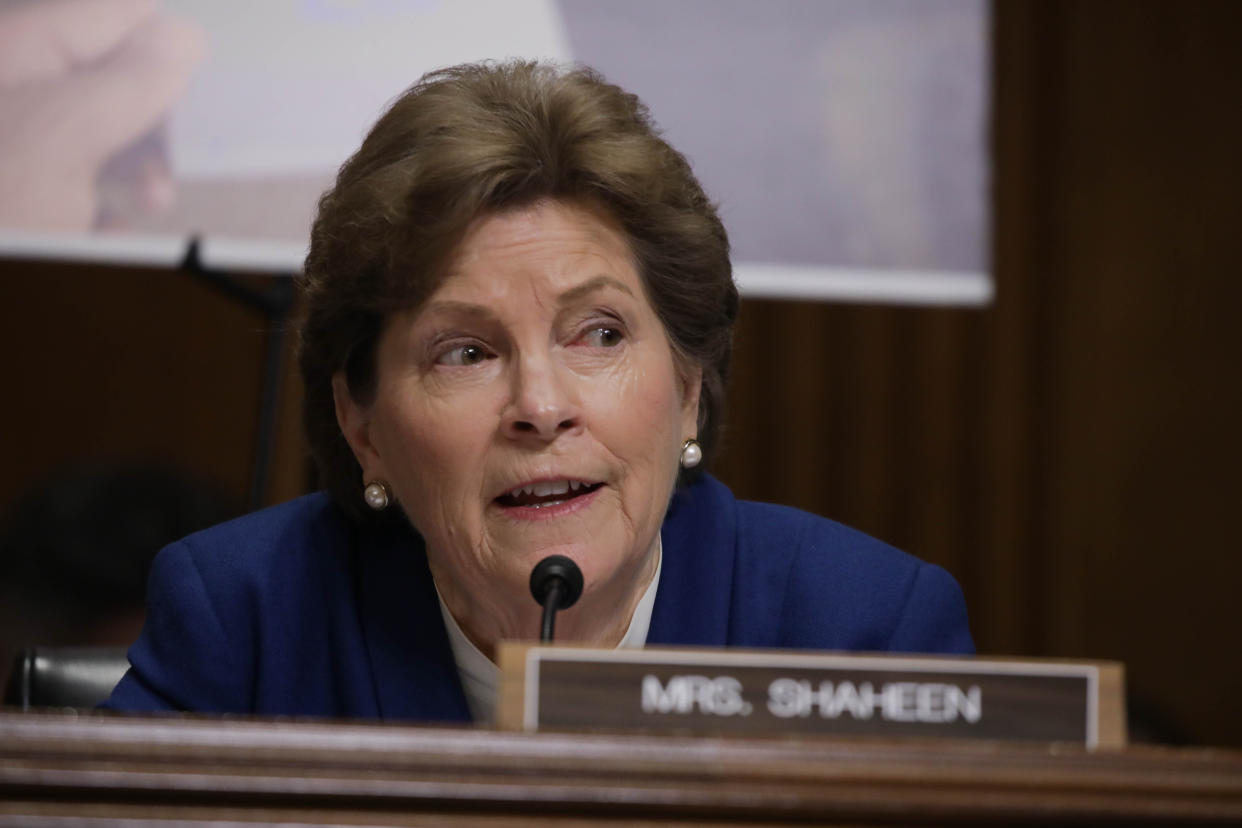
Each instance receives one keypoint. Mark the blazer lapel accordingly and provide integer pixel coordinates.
(411, 660)
(696, 581)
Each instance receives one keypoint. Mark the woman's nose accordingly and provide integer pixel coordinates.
(543, 404)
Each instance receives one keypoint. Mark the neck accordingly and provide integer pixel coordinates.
(599, 619)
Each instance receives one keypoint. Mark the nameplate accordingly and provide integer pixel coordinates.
(699, 690)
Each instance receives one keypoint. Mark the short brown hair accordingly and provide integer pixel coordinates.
(481, 138)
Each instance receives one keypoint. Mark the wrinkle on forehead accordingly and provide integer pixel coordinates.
(591, 231)
(565, 298)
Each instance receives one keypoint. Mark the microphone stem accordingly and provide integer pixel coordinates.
(550, 605)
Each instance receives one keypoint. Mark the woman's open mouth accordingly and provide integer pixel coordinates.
(546, 493)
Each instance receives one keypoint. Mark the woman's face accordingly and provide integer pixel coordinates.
(531, 406)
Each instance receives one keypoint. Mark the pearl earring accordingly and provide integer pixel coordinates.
(376, 495)
(691, 454)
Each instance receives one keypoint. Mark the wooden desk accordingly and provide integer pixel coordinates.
(94, 770)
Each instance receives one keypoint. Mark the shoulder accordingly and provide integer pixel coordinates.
(262, 585)
(802, 580)
(293, 553)
(767, 538)
(301, 536)
(844, 589)
(801, 542)
(252, 541)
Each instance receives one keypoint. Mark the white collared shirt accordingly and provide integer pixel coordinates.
(480, 678)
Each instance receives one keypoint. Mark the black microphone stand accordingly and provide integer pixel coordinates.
(547, 625)
(276, 304)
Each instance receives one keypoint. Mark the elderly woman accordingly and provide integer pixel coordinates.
(518, 314)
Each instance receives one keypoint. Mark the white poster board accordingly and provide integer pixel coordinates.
(846, 140)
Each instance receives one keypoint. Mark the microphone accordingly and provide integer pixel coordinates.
(556, 583)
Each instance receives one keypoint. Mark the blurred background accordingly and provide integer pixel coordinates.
(1069, 448)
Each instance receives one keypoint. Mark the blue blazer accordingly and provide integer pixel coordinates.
(295, 610)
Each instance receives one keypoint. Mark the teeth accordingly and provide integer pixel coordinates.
(551, 487)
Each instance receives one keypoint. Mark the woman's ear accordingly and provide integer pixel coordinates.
(692, 385)
(355, 423)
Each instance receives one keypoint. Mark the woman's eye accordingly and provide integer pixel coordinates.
(462, 355)
(603, 337)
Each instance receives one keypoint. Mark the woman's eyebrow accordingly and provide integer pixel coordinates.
(590, 286)
(458, 308)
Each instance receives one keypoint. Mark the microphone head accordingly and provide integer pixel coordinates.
(551, 569)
